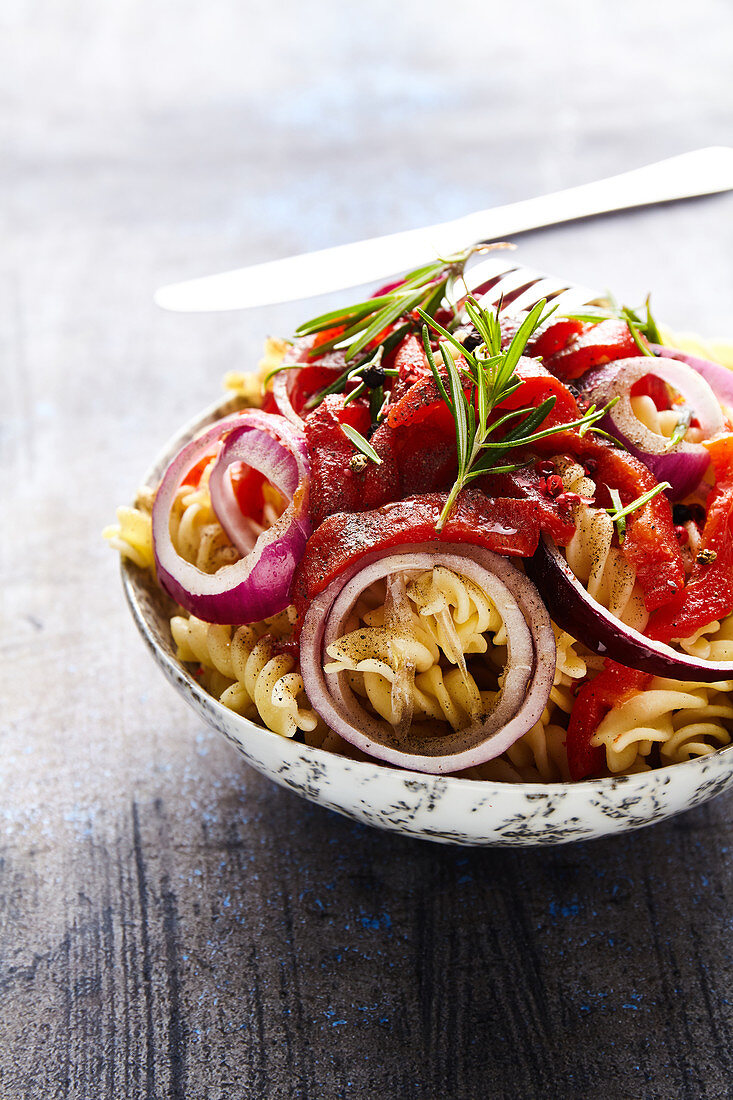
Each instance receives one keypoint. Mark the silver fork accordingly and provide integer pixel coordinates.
(500, 279)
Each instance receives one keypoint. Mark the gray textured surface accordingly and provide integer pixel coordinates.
(171, 925)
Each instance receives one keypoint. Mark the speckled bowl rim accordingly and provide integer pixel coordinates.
(134, 583)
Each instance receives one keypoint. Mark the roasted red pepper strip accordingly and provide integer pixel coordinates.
(424, 455)
(651, 386)
(421, 415)
(554, 514)
(411, 364)
(310, 380)
(410, 360)
(506, 526)
(554, 337)
(193, 477)
(650, 544)
(423, 400)
(247, 484)
(335, 486)
(597, 344)
(709, 592)
(615, 685)
(537, 385)
(322, 338)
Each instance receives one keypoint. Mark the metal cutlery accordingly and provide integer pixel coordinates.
(703, 172)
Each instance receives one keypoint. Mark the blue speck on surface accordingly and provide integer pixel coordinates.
(376, 923)
(570, 910)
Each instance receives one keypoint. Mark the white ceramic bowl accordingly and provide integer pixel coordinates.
(446, 809)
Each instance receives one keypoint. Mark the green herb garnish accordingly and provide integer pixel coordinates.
(369, 375)
(489, 379)
(362, 445)
(618, 512)
(684, 419)
(426, 288)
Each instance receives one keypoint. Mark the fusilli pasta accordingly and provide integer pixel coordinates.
(684, 719)
(132, 535)
(243, 668)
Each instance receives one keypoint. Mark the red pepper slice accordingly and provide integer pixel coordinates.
(193, 477)
(553, 513)
(424, 455)
(651, 386)
(537, 386)
(411, 364)
(709, 592)
(423, 400)
(335, 486)
(597, 344)
(247, 484)
(323, 338)
(410, 360)
(506, 526)
(650, 544)
(310, 380)
(555, 337)
(614, 685)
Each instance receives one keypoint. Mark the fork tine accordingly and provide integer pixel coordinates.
(547, 288)
(575, 297)
(498, 280)
(509, 287)
(484, 275)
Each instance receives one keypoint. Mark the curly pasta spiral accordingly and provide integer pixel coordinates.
(713, 642)
(538, 756)
(684, 719)
(132, 535)
(445, 617)
(246, 673)
(195, 531)
(661, 421)
(248, 384)
(592, 557)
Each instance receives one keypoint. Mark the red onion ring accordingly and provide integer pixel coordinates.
(281, 394)
(528, 678)
(258, 585)
(682, 465)
(295, 358)
(575, 610)
(718, 377)
(253, 444)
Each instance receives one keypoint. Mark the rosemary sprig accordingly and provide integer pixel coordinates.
(426, 288)
(684, 419)
(474, 392)
(618, 512)
(369, 374)
(362, 445)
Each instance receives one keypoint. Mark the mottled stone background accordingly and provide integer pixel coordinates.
(171, 924)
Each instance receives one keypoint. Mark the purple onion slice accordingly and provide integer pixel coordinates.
(577, 612)
(528, 675)
(683, 464)
(718, 377)
(258, 585)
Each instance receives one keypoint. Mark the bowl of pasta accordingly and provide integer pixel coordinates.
(455, 570)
